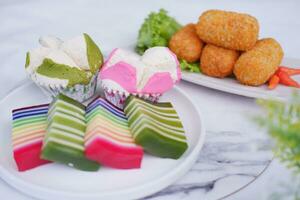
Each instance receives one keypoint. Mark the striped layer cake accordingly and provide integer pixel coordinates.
(29, 128)
(108, 139)
(156, 127)
(64, 140)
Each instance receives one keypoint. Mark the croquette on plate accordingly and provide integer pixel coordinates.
(186, 44)
(230, 30)
(255, 67)
(217, 61)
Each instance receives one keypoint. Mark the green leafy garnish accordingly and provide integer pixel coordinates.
(27, 59)
(156, 30)
(283, 123)
(190, 67)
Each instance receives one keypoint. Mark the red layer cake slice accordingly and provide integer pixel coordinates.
(108, 139)
(29, 128)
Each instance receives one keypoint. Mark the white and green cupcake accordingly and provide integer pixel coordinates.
(69, 67)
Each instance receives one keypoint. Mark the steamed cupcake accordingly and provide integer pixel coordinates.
(147, 76)
(69, 67)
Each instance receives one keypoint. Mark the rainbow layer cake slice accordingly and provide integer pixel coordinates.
(156, 127)
(108, 139)
(29, 128)
(64, 140)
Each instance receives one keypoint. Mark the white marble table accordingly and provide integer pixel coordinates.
(114, 24)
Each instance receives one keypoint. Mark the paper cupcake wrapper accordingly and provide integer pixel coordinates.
(118, 98)
(78, 92)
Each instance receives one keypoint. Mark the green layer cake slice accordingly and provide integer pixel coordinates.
(156, 127)
(64, 139)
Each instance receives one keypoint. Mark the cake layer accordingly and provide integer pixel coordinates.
(64, 141)
(156, 127)
(28, 156)
(29, 128)
(108, 139)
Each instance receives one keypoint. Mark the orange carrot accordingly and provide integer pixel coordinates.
(273, 82)
(288, 70)
(285, 79)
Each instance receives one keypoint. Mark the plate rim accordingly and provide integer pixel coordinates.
(143, 190)
(235, 91)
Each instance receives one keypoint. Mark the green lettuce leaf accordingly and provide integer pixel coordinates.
(156, 30)
(190, 67)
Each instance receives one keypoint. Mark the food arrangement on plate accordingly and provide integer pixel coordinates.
(221, 44)
(114, 130)
(85, 129)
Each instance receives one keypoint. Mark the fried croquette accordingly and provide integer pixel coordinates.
(186, 44)
(255, 67)
(217, 61)
(229, 30)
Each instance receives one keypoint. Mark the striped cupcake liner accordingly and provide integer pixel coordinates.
(118, 98)
(78, 92)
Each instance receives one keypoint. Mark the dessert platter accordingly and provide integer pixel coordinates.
(85, 125)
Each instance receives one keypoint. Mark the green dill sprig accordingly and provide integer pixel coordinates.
(283, 123)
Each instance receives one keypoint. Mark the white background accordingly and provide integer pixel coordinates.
(115, 23)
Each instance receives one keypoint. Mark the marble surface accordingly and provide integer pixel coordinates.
(235, 152)
(228, 162)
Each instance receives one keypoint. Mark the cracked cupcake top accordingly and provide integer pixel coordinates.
(154, 72)
(64, 63)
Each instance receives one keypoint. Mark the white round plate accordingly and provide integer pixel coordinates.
(230, 85)
(55, 181)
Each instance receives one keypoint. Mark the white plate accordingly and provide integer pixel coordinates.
(55, 181)
(230, 85)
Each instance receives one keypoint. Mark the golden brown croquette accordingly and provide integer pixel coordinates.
(255, 67)
(229, 30)
(217, 61)
(186, 44)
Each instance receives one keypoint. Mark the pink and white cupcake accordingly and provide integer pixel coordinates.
(147, 76)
